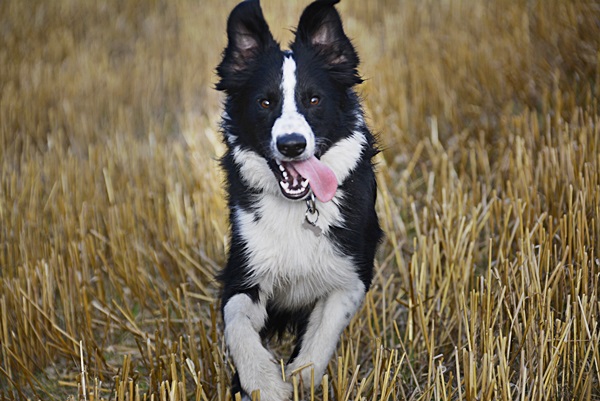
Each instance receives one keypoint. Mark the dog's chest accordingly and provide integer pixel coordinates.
(286, 258)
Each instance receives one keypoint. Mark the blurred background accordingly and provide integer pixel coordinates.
(113, 223)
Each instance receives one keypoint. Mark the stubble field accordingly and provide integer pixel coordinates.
(113, 222)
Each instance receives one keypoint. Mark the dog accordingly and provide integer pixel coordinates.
(301, 193)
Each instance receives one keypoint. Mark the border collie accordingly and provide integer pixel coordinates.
(301, 194)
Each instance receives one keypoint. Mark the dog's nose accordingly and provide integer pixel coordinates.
(291, 145)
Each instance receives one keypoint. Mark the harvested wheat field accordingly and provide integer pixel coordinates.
(113, 222)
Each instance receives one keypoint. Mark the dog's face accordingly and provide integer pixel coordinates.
(289, 105)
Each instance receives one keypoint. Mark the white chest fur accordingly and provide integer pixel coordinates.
(290, 263)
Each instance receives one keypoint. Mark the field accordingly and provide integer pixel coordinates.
(113, 223)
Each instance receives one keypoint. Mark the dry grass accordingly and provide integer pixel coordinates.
(112, 222)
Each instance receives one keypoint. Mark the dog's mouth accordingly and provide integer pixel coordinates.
(298, 178)
(292, 184)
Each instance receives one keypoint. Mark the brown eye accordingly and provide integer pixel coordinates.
(314, 100)
(265, 103)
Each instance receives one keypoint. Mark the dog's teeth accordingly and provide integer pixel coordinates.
(281, 168)
(304, 184)
(285, 174)
(285, 185)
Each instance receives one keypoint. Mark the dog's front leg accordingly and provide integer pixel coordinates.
(328, 319)
(256, 367)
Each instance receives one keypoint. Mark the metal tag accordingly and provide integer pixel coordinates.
(316, 230)
(311, 216)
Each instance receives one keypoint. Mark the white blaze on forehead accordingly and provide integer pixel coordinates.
(291, 121)
(288, 86)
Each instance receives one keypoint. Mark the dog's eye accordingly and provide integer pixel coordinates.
(315, 100)
(265, 103)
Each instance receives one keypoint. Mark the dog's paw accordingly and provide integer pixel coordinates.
(269, 382)
(276, 391)
(281, 391)
(304, 371)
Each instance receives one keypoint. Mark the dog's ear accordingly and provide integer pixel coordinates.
(320, 29)
(248, 35)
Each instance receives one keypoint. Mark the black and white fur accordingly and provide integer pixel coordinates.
(283, 106)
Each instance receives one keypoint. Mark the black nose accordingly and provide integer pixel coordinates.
(291, 145)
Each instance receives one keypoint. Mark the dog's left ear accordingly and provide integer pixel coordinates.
(320, 29)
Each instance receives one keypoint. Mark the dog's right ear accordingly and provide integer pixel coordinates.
(248, 36)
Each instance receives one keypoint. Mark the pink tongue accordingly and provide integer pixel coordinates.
(321, 178)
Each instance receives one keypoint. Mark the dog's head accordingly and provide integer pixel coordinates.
(290, 106)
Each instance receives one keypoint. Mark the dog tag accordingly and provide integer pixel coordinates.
(311, 216)
(312, 226)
